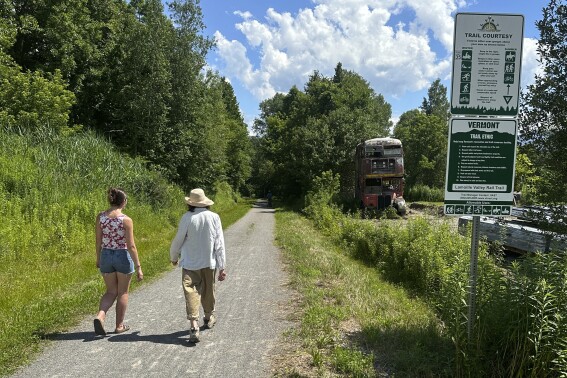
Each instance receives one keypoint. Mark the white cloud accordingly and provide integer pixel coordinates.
(530, 64)
(393, 58)
(396, 57)
(238, 66)
(436, 16)
(244, 15)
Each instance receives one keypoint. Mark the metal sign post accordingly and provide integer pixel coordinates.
(473, 275)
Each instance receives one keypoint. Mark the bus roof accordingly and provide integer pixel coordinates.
(382, 142)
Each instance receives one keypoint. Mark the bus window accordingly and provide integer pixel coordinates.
(372, 152)
(372, 186)
(383, 165)
(392, 151)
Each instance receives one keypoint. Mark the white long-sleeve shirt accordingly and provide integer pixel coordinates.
(199, 241)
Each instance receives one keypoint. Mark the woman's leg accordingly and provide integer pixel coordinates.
(123, 285)
(191, 282)
(107, 300)
(208, 292)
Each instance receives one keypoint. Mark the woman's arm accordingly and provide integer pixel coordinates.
(177, 242)
(129, 228)
(98, 243)
(218, 248)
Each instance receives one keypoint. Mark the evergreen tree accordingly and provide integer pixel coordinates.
(436, 102)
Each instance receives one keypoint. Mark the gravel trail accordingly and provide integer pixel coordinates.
(250, 313)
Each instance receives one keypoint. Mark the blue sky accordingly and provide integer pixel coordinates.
(399, 46)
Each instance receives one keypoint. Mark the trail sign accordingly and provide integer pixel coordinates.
(487, 60)
(480, 166)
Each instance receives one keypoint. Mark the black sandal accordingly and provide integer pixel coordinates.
(99, 327)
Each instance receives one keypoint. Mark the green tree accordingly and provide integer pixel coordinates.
(186, 152)
(239, 146)
(543, 112)
(436, 102)
(140, 82)
(73, 37)
(306, 133)
(137, 75)
(29, 101)
(268, 127)
(524, 171)
(9, 30)
(425, 147)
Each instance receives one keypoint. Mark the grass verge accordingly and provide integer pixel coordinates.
(352, 322)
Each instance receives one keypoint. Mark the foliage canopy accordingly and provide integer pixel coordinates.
(133, 74)
(304, 133)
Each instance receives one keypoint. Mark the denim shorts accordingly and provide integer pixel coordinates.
(116, 260)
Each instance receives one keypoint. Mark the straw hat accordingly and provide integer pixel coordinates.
(198, 198)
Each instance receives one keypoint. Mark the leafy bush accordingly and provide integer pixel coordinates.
(224, 196)
(324, 190)
(424, 193)
(30, 100)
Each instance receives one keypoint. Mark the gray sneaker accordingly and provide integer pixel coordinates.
(194, 335)
(210, 323)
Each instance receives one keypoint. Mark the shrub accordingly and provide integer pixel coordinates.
(30, 100)
(224, 196)
(424, 193)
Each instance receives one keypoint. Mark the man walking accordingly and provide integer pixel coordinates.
(199, 249)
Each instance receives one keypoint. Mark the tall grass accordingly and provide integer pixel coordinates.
(51, 188)
(352, 322)
(424, 193)
(520, 327)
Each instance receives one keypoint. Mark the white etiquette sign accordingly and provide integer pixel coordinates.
(487, 60)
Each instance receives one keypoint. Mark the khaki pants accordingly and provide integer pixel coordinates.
(199, 289)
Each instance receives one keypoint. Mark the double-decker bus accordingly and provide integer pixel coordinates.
(380, 174)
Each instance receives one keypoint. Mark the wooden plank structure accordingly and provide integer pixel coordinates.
(516, 235)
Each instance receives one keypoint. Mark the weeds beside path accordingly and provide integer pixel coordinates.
(353, 323)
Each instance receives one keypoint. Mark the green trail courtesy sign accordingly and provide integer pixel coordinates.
(480, 166)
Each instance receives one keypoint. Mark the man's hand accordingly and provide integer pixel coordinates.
(222, 275)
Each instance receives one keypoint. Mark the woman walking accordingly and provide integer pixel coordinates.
(199, 248)
(117, 258)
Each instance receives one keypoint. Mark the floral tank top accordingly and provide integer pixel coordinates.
(113, 234)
